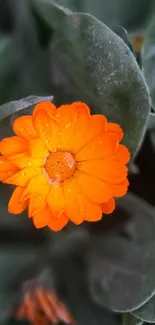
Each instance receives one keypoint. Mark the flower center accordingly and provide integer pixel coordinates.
(60, 165)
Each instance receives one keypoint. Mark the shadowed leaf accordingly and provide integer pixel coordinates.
(147, 311)
(96, 66)
(10, 108)
(121, 261)
(148, 59)
(51, 11)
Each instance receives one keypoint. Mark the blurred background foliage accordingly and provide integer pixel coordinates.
(105, 272)
(25, 34)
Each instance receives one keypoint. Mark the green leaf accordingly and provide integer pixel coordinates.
(98, 68)
(133, 168)
(51, 11)
(151, 121)
(7, 66)
(147, 311)
(14, 259)
(8, 109)
(70, 275)
(5, 43)
(24, 62)
(129, 319)
(113, 13)
(148, 59)
(121, 261)
(7, 301)
(5, 128)
(11, 222)
(152, 138)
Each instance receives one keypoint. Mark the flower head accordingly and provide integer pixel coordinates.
(42, 307)
(66, 164)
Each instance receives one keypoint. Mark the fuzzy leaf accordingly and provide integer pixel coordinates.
(13, 260)
(121, 261)
(10, 108)
(147, 311)
(151, 122)
(73, 290)
(98, 67)
(51, 11)
(148, 59)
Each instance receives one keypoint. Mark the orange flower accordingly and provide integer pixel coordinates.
(66, 164)
(42, 307)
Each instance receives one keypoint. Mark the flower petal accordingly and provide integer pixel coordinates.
(75, 207)
(58, 224)
(114, 171)
(108, 207)
(47, 129)
(6, 166)
(12, 146)
(37, 185)
(3, 176)
(37, 149)
(92, 211)
(94, 189)
(23, 176)
(122, 154)
(7, 169)
(42, 218)
(81, 108)
(115, 128)
(107, 170)
(81, 127)
(36, 204)
(23, 127)
(97, 125)
(66, 117)
(87, 128)
(45, 217)
(16, 206)
(102, 146)
(120, 189)
(56, 200)
(23, 160)
(47, 107)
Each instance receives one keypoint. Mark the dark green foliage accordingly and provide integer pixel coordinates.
(121, 262)
(103, 73)
(148, 57)
(147, 311)
(105, 269)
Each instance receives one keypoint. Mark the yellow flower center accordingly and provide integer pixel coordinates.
(60, 165)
